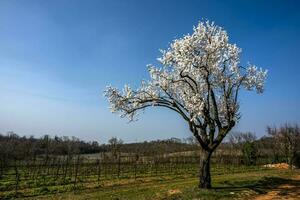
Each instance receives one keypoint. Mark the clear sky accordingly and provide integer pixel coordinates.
(56, 57)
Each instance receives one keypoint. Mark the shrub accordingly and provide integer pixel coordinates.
(249, 153)
(296, 159)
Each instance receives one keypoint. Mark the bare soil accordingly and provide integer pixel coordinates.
(278, 166)
(289, 191)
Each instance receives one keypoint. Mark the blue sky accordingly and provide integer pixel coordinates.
(56, 57)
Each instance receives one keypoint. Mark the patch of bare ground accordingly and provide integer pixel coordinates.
(279, 166)
(289, 190)
(174, 192)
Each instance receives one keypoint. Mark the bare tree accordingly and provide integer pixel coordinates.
(286, 139)
(115, 146)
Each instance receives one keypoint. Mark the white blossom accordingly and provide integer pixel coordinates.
(200, 79)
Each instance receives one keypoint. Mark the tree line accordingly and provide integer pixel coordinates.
(279, 145)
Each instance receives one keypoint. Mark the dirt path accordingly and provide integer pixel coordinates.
(289, 191)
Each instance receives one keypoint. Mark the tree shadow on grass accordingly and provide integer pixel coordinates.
(281, 186)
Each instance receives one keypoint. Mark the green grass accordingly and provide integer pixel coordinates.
(87, 175)
(229, 186)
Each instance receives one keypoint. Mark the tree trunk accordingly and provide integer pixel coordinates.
(205, 178)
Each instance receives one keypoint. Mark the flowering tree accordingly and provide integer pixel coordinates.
(200, 79)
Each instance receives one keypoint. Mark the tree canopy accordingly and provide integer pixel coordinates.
(200, 79)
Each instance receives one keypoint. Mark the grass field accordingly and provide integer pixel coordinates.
(37, 180)
(240, 185)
